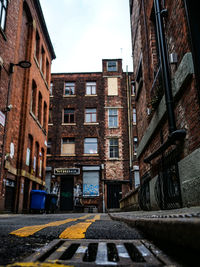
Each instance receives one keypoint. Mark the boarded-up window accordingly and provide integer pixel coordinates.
(68, 146)
(91, 183)
(112, 86)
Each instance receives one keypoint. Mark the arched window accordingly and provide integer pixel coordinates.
(33, 97)
(40, 107)
(45, 116)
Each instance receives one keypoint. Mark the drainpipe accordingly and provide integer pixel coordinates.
(129, 125)
(165, 66)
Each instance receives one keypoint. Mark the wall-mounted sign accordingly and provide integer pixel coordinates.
(12, 150)
(67, 171)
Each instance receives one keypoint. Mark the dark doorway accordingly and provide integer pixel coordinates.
(26, 195)
(10, 195)
(113, 195)
(66, 193)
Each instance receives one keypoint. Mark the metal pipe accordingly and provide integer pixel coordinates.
(165, 67)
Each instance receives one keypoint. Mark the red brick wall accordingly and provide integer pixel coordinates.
(16, 44)
(186, 105)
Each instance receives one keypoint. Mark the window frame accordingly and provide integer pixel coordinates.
(112, 67)
(90, 114)
(71, 86)
(69, 140)
(114, 146)
(89, 86)
(134, 115)
(86, 144)
(113, 116)
(68, 115)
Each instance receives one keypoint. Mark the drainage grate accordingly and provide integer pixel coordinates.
(101, 253)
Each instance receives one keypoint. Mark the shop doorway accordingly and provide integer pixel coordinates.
(113, 195)
(10, 195)
(66, 193)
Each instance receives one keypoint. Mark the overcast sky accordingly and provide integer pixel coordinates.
(83, 32)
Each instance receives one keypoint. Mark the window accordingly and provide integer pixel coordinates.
(40, 107)
(68, 146)
(112, 66)
(47, 71)
(113, 118)
(51, 88)
(50, 116)
(137, 179)
(45, 116)
(113, 148)
(90, 115)
(29, 152)
(112, 86)
(33, 97)
(69, 88)
(42, 60)
(69, 115)
(90, 146)
(91, 88)
(49, 143)
(91, 183)
(135, 143)
(3, 11)
(37, 46)
(134, 115)
(133, 88)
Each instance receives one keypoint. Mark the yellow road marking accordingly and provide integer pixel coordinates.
(78, 230)
(30, 230)
(38, 264)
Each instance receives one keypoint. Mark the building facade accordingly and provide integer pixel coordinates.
(88, 142)
(166, 69)
(24, 101)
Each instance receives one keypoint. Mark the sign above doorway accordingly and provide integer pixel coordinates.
(67, 171)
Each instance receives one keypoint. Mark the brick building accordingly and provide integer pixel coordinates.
(88, 143)
(24, 101)
(166, 67)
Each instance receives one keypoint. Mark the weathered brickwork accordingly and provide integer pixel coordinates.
(152, 129)
(24, 165)
(110, 171)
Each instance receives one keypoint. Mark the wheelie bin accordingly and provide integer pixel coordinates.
(38, 198)
(51, 203)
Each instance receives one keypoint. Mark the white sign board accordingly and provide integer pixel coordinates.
(2, 119)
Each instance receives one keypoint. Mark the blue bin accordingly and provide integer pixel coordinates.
(38, 198)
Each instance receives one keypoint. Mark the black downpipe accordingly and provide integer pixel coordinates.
(165, 67)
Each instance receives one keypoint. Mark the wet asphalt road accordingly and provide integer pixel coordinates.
(15, 248)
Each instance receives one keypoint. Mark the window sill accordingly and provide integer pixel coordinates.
(69, 95)
(51, 96)
(114, 159)
(90, 95)
(134, 123)
(68, 155)
(90, 155)
(50, 124)
(69, 124)
(91, 123)
(113, 127)
(90, 196)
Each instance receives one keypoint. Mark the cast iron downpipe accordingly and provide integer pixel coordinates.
(174, 134)
(163, 53)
